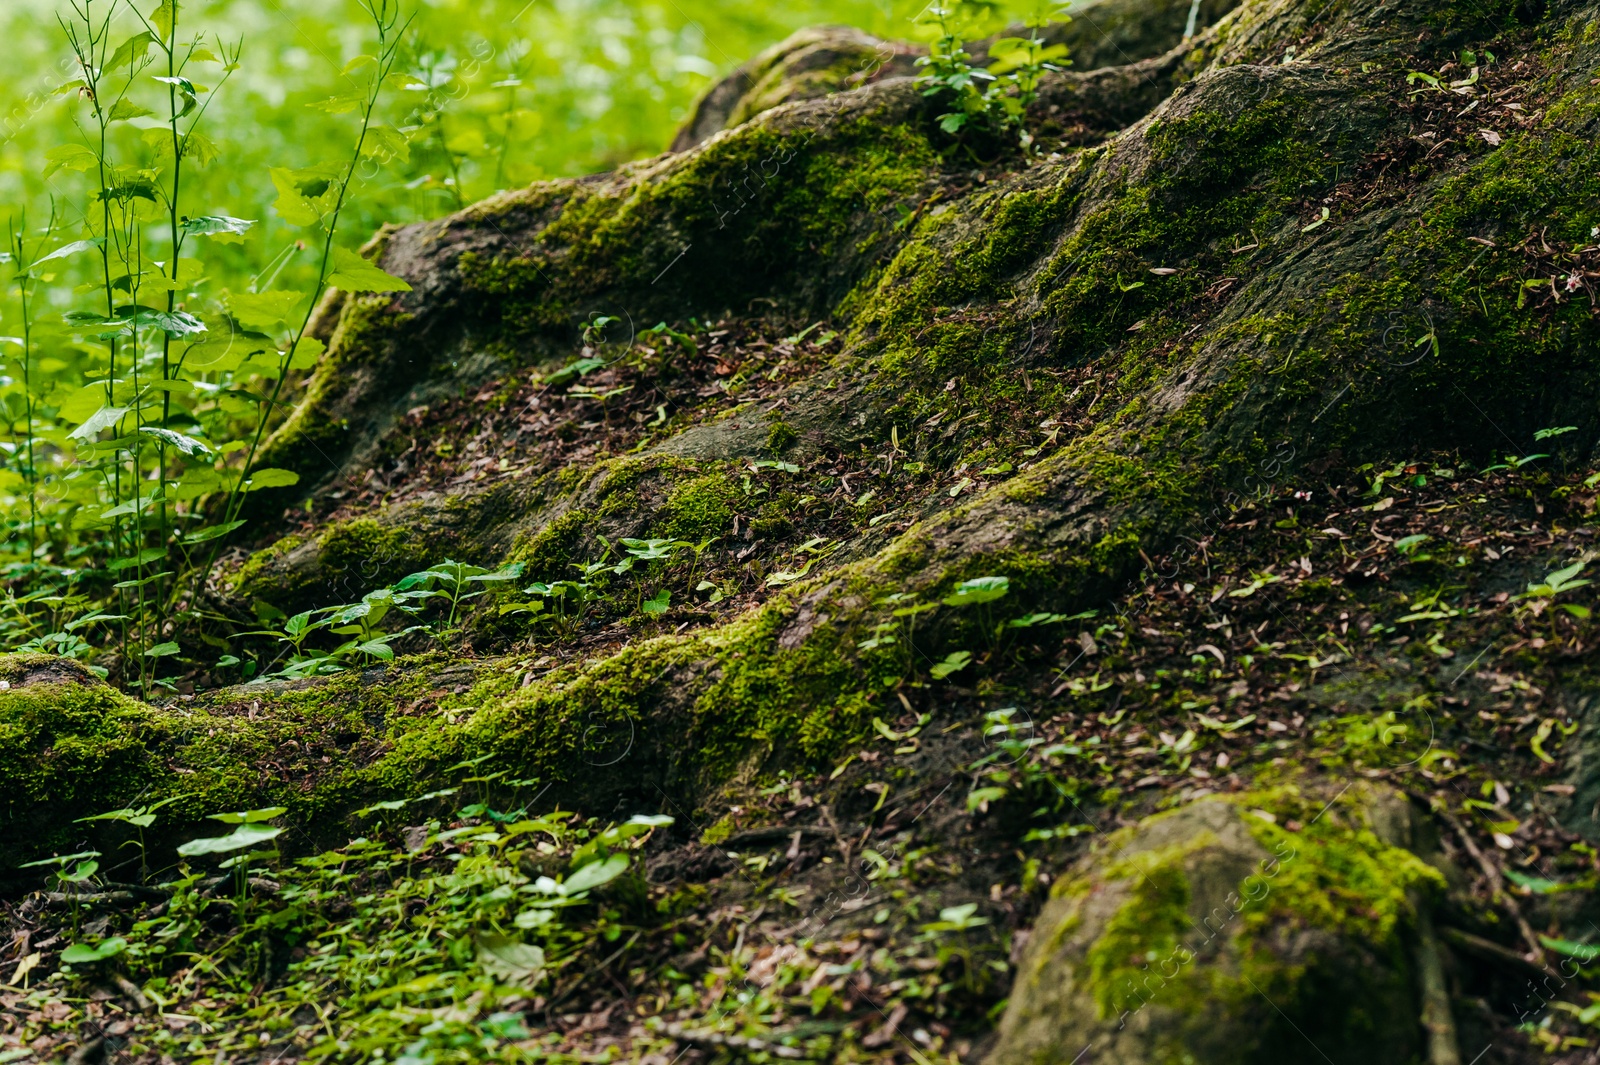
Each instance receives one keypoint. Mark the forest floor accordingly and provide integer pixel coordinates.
(873, 912)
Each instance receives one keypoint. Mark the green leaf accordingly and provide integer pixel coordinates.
(69, 249)
(225, 229)
(83, 954)
(340, 104)
(953, 662)
(978, 590)
(148, 555)
(125, 109)
(250, 817)
(162, 650)
(352, 273)
(211, 532)
(506, 959)
(176, 324)
(1534, 884)
(240, 838)
(979, 796)
(292, 205)
(102, 419)
(386, 143)
(1580, 951)
(162, 17)
(596, 873)
(263, 311)
(573, 370)
(130, 51)
(659, 603)
(59, 860)
(307, 353)
(271, 478)
(186, 444)
(70, 157)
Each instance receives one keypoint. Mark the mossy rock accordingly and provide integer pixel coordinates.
(1236, 930)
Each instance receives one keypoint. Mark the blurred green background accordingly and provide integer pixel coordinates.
(519, 91)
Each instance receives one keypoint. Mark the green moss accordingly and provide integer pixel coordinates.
(70, 748)
(781, 437)
(775, 197)
(253, 573)
(1509, 361)
(1148, 928)
(1341, 877)
(378, 551)
(1318, 920)
(352, 558)
(549, 553)
(697, 509)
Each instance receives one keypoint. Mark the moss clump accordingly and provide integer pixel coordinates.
(549, 553)
(1289, 913)
(73, 747)
(371, 552)
(734, 219)
(346, 561)
(1341, 877)
(697, 509)
(781, 437)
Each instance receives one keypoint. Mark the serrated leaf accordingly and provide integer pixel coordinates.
(352, 273)
(70, 157)
(220, 352)
(306, 353)
(224, 228)
(341, 104)
(176, 324)
(131, 50)
(292, 205)
(162, 17)
(387, 143)
(200, 149)
(126, 109)
(263, 311)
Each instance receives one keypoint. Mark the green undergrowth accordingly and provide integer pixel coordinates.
(435, 943)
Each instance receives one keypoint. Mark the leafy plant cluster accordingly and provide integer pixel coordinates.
(138, 412)
(994, 98)
(433, 940)
(899, 628)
